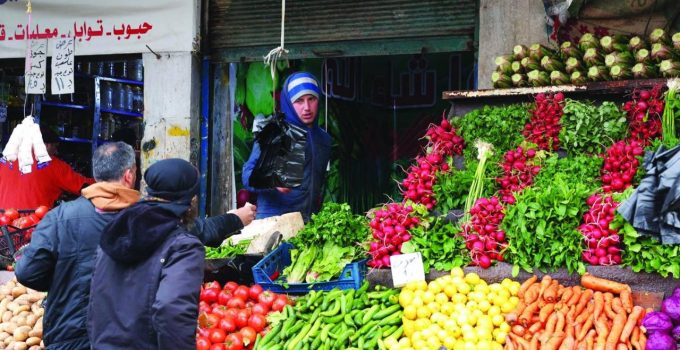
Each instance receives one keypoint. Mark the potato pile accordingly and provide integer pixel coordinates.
(22, 313)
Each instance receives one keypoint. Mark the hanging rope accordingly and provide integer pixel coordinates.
(275, 55)
(29, 11)
(325, 91)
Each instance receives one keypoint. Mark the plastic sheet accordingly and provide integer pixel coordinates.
(282, 157)
(654, 207)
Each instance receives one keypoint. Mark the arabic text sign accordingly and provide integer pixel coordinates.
(407, 268)
(62, 66)
(99, 28)
(36, 63)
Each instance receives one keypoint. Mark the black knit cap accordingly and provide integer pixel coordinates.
(174, 180)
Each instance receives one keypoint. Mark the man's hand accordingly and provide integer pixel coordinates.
(283, 190)
(246, 213)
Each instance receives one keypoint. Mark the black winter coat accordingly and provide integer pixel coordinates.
(60, 260)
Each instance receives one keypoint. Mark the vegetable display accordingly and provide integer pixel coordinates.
(610, 57)
(598, 314)
(440, 242)
(22, 315)
(26, 220)
(234, 316)
(390, 228)
(587, 129)
(336, 319)
(663, 327)
(227, 250)
(544, 127)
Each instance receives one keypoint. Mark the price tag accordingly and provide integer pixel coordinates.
(36, 67)
(407, 268)
(63, 50)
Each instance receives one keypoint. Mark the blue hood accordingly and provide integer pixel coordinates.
(286, 103)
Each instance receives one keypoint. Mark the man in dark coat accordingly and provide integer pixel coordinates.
(60, 258)
(147, 278)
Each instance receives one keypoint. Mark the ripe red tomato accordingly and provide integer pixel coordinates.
(224, 297)
(212, 321)
(234, 341)
(249, 335)
(34, 219)
(203, 332)
(231, 313)
(41, 211)
(227, 324)
(231, 286)
(204, 307)
(202, 343)
(209, 295)
(242, 292)
(218, 347)
(213, 284)
(279, 303)
(267, 298)
(236, 303)
(257, 322)
(12, 214)
(217, 335)
(254, 291)
(260, 309)
(242, 319)
(220, 311)
(4, 220)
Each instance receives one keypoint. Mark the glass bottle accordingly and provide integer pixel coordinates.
(129, 98)
(106, 95)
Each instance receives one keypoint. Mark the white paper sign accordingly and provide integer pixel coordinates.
(62, 66)
(407, 268)
(36, 67)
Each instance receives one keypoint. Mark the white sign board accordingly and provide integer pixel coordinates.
(407, 268)
(62, 66)
(36, 67)
(100, 27)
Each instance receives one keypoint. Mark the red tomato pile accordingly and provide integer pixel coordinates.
(483, 236)
(14, 220)
(230, 318)
(519, 171)
(644, 114)
(544, 127)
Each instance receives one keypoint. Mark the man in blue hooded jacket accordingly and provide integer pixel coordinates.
(300, 104)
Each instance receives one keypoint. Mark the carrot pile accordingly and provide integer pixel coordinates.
(597, 315)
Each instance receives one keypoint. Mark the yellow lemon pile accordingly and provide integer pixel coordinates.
(455, 311)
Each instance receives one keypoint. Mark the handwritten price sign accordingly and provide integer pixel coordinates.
(407, 268)
(63, 66)
(36, 67)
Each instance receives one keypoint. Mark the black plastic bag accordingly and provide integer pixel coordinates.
(654, 207)
(282, 156)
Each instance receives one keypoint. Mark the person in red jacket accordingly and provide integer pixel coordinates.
(42, 186)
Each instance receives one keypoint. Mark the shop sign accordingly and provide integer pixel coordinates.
(100, 28)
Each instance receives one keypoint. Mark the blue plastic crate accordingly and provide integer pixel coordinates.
(352, 275)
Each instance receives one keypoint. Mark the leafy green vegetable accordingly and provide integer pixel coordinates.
(587, 129)
(259, 89)
(302, 259)
(583, 169)
(330, 263)
(227, 250)
(542, 226)
(440, 244)
(500, 126)
(334, 223)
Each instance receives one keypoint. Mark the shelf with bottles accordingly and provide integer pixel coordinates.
(120, 98)
(128, 71)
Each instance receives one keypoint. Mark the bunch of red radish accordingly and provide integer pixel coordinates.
(620, 165)
(544, 127)
(483, 238)
(390, 229)
(644, 114)
(603, 244)
(443, 142)
(519, 171)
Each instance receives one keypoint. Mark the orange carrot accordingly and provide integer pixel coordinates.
(615, 332)
(584, 300)
(559, 327)
(608, 301)
(582, 345)
(534, 328)
(598, 297)
(525, 285)
(509, 344)
(627, 300)
(642, 340)
(546, 311)
(585, 329)
(585, 314)
(518, 329)
(617, 306)
(566, 294)
(531, 294)
(554, 342)
(521, 342)
(602, 284)
(525, 317)
(576, 295)
(630, 323)
(635, 338)
(590, 339)
(545, 283)
(511, 317)
(568, 343)
(621, 347)
(549, 328)
(550, 293)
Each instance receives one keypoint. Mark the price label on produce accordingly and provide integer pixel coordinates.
(407, 268)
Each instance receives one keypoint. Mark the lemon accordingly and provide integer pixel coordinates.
(495, 287)
(470, 336)
(422, 323)
(420, 344)
(497, 320)
(434, 287)
(472, 319)
(459, 299)
(484, 345)
(450, 290)
(434, 307)
(471, 305)
(514, 300)
(409, 327)
(472, 278)
(448, 308)
(470, 345)
(497, 346)
(500, 337)
(390, 342)
(506, 282)
(449, 342)
(494, 310)
(406, 297)
(423, 313)
(410, 312)
(485, 322)
(404, 342)
(505, 327)
(428, 297)
(463, 288)
(438, 317)
(463, 319)
(514, 288)
(507, 307)
(456, 280)
(420, 285)
(503, 295)
(483, 334)
(434, 343)
(466, 329)
(484, 305)
(457, 272)
(441, 298)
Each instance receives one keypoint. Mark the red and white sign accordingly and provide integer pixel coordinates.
(100, 27)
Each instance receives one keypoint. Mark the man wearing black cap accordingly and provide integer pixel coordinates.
(43, 185)
(146, 282)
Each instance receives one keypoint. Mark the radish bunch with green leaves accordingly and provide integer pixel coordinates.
(644, 114)
(483, 237)
(390, 229)
(603, 244)
(443, 143)
(519, 170)
(544, 127)
(620, 165)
